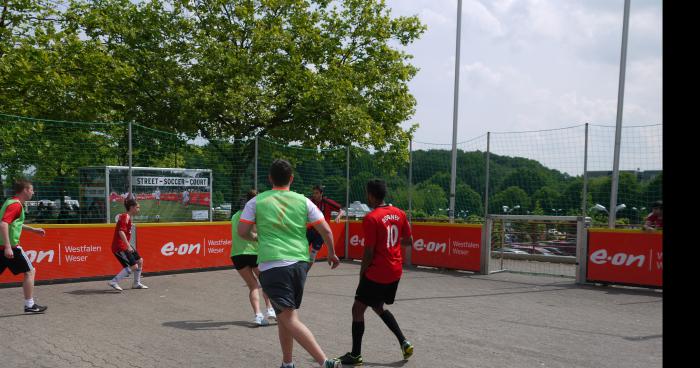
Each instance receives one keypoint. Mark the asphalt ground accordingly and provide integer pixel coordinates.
(454, 319)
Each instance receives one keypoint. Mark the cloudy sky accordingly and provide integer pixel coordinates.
(533, 65)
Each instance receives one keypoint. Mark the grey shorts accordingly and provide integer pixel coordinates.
(285, 285)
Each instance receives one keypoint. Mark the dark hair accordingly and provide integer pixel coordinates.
(658, 204)
(251, 194)
(130, 202)
(20, 185)
(377, 188)
(248, 196)
(280, 172)
(318, 187)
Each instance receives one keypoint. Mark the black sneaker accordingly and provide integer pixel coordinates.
(36, 308)
(349, 359)
(407, 349)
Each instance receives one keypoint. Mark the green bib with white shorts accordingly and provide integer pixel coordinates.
(281, 217)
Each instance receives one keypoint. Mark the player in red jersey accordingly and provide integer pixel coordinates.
(127, 256)
(385, 228)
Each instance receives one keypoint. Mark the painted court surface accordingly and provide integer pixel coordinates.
(454, 319)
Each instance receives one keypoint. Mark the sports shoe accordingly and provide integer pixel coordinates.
(407, 349)
(115, 286)
(287, 366)
(349, 359)
(270, 314)
(139, 286)
(36, 308)
(260, 320)
(332, 363)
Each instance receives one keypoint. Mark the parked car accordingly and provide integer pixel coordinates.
(510, 250)
(358, 209)
(555, 251)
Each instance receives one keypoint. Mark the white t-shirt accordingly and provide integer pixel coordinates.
(313, 216)
(157, 194)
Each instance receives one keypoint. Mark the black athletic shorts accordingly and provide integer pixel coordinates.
(19, 264)
(375, 294)
(242, 261)
(313, 237)
(128, 259)
(285, 285)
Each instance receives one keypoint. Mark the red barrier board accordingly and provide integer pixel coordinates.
(176, 247)
(436, 245)
(338, 240)
(68, 252)
(625, 257)
(81, 251)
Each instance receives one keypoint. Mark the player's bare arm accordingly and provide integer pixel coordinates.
(407, 244)
(5, 233)
(367, 258)
(35, 230)
(122, 235)
(246, 232)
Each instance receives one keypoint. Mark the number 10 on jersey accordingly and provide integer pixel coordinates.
(392, 235)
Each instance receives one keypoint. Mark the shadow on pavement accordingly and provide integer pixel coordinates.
(93, 292)
(210, 325)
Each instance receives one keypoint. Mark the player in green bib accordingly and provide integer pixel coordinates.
(281, 217)
(244, 255)
(13, 256)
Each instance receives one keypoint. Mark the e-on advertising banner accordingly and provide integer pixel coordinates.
(435, 245)
(67, 252)
(625, 256)
(82, 251)
(182, 247)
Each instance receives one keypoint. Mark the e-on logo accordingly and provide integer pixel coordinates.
(183, 249)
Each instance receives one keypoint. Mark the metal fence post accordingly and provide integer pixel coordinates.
(584, 201)
(581, 250)
(486, 246)
(488, 158)
(347, 202)
(131, 152)
(255, 165)
(612, 213)
(410, 181)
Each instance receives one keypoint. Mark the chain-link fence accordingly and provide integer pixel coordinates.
(80, 172)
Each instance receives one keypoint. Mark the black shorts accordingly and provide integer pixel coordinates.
(242, 261)
(313, 237)
(375, 294)
(128, 259)
(285, 285)
(19, 264)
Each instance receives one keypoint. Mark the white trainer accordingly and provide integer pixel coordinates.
(260, 320)
(270, 314)
(115, 286)
(139, 286)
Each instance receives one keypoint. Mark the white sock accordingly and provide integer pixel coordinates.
(137, 276)
(288, 365)
(122, 274)
(28, 302)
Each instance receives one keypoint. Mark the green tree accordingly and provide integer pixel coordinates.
(511, 197)
(468, 200)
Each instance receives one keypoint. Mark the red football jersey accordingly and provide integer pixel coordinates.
(384, 228)
(123, 224)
